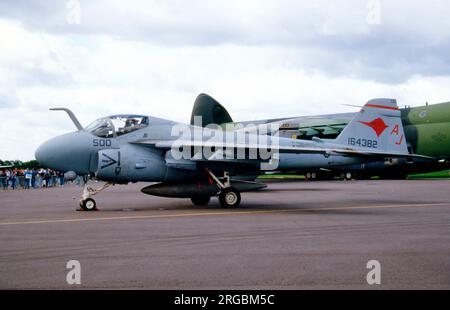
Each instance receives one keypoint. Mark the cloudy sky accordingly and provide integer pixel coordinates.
(260, 58)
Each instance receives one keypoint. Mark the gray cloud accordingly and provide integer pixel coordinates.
(411, 39)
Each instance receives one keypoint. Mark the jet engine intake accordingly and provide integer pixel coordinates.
(130, 163)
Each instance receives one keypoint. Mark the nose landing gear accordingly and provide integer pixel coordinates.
(86, 202)
(88, 205)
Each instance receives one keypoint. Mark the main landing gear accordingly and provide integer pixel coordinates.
(229, 197)
(200, 201)
(86, 202)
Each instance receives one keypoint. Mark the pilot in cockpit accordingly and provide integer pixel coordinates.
(117, 125)
(130, 125)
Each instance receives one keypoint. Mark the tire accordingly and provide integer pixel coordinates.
(348, 176)
(200, 200)
(229, 198)
(313, 175)
(89, 205)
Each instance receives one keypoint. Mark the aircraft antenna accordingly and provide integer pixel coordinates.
(71, 115)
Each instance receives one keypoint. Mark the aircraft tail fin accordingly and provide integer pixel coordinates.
(211, 111)
(377, 127)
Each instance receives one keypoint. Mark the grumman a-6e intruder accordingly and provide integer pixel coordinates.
(198, 163)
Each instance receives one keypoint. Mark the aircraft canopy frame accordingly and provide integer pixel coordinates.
(117, 125)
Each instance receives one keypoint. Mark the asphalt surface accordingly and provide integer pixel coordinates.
(294, 235)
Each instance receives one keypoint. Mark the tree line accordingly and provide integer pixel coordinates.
(32, 164)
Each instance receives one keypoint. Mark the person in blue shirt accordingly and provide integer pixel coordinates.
(28, 175)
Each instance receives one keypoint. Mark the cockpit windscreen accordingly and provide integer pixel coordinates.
(117, 125)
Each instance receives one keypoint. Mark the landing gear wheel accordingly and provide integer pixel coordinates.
(311, 176)
(86, 202)
(88, 205)
(229, 197)
(200, 200)
(348, 176)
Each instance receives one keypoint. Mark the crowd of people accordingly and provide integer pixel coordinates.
(13, 178)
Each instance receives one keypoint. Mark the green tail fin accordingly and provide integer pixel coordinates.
(211, 111)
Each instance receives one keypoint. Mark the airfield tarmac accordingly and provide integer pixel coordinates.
(294, 235)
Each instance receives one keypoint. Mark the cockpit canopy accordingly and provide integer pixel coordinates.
(117, 125)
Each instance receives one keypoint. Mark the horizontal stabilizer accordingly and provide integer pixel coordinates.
(223, 147)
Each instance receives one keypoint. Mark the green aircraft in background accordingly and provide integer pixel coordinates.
(427, 132)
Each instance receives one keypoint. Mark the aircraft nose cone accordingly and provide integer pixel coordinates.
(43, 153)
(69, 152)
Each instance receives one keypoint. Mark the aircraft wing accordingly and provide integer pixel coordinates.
(218, 148)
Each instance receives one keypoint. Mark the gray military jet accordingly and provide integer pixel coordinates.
(194, 162)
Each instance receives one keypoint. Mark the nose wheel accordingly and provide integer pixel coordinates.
(86, 202)
(88, 205)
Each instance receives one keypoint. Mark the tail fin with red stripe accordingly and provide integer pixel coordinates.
(377, 127)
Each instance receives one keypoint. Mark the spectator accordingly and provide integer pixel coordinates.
(20, 178)
(61, 178)
(33, 178)
(41, 177)
(47, 178)
(28, 176)
(3, 180)
(8, 177)
(13, 178)
(53, 178)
